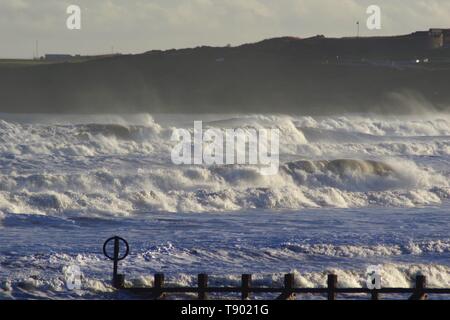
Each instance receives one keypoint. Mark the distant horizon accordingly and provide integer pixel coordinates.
(137, 26)
(42, 54)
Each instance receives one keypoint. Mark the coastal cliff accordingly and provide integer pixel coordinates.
(316, 75)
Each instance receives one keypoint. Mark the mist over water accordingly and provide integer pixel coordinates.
(350, 190)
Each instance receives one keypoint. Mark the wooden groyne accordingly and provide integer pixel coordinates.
(287, 292)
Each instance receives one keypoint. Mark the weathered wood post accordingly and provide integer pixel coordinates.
(158, 284)
(421, 282)
(246, 284)
(202, 285)
(375, 294)
(332, 284)
(288, 286)
(289, 282)
(119, 281)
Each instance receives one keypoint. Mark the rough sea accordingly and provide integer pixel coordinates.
(351, 191)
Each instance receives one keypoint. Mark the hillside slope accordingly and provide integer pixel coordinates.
(309, 76)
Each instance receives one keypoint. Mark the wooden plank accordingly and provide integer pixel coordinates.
(255, 290)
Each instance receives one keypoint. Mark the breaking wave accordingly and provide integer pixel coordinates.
(413, 248)
(31, 281)
(299, 184)
(118, 167)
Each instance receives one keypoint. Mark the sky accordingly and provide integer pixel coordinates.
(135, 26)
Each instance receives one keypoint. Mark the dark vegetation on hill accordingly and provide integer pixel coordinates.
(310, 76)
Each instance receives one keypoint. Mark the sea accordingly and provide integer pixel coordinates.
(352, 192)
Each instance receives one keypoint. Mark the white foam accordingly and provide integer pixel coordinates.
(425, 125)
(118, 165)
(199, 189)
(414, 248)
(95, 281)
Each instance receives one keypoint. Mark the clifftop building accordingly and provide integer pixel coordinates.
(435, 38)
(59, 57)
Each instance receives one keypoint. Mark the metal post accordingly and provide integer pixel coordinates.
(117, 279)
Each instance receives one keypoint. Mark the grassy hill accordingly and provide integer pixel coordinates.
(308, 76)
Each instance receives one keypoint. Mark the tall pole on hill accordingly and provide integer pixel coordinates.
(37, 50)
